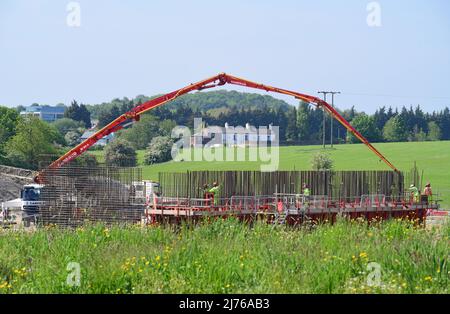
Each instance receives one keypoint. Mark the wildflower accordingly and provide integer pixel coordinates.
(428, 278)
(157, 258)
(363, 255)
(370, 234)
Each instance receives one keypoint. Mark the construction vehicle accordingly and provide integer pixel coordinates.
(28, 203)
(134, 115)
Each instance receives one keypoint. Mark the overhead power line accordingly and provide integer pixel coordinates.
(395, 96)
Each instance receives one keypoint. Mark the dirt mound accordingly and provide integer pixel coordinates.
(11, 181)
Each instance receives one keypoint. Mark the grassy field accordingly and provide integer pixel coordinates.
(431, 157)
(259, 259)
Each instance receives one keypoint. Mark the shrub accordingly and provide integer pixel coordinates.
(72, 138)
(159, 150)
(322, 162)
(120, 153)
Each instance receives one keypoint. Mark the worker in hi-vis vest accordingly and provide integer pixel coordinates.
(306, 193)
(215, 190)
(414, 193)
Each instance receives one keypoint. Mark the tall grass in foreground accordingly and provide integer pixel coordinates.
(228, 257)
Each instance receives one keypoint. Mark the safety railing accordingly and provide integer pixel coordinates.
(376, 200)
(284, 203)
(243, 203)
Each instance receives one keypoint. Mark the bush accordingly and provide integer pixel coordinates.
(72, 138)
(322, 162)
(86, 160)
(67, 125)
(159, 150)
(120, 153)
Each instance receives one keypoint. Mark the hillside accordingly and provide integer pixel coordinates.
(206, 102)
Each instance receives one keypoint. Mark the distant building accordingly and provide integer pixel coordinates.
(102, 142)
(46, 113)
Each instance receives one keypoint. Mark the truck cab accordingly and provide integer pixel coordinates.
(28, 204)
(31, 198)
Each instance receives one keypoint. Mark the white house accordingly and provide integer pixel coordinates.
(234, 136)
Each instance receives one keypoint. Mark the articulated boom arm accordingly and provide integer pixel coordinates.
(218, 80)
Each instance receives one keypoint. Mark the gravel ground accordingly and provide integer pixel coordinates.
(12, 180)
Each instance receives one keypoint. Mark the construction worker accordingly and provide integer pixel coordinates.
(306, 193)
(414, 193)
(215, 191)
(205, 190)
(428, 192)
(394, 192)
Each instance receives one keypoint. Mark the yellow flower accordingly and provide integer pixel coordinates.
(370, 234)
(363, 255)
(157, 258)
(428, 278)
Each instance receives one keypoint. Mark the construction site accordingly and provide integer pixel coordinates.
(69, 195)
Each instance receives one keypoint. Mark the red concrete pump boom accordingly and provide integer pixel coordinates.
(218, 80)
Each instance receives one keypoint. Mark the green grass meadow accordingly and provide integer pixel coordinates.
(431, 157)
(226, 256)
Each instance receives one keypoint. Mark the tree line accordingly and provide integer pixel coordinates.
(302, 124)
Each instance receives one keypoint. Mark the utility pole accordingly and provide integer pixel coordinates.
(332, 104)
(323, 123)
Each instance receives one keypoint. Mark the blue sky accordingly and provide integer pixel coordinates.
(127, 48)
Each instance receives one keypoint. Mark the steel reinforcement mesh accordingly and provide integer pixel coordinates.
(338, 184)
(74, 195)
